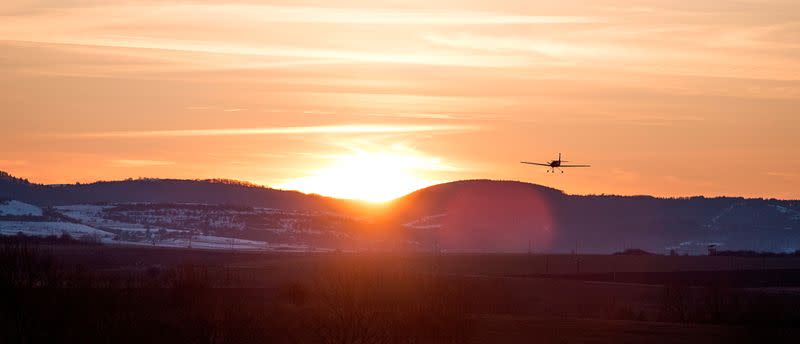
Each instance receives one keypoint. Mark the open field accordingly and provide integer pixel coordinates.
(161, 294)
(454, 263)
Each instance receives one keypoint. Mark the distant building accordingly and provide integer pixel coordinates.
(712, 250)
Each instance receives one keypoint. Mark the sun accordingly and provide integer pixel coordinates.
(369, 176)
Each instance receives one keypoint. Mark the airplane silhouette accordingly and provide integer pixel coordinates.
(554, 164)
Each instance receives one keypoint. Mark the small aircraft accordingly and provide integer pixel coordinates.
(553, 165)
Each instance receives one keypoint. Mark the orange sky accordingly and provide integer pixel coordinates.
(669, 98)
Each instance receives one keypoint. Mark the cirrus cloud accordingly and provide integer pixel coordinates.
(322, 129)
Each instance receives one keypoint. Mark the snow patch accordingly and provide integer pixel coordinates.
(33, 228)
(17, 208)
(427, 222)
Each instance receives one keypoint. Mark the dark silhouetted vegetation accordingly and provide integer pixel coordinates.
(749, 253)
(43, 301)
(88, 294)
(634, 252)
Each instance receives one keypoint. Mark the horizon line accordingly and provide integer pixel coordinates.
(252, 184)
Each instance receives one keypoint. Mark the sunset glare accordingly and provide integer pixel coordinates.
(369, 176)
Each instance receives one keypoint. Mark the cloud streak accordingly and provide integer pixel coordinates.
(319, 56)
(323, 129)
(141, 163)
(264, 13)
(13, 162)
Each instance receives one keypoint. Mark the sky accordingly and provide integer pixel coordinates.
(373, 99)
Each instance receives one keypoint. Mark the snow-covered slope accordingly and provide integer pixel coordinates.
(17, 208)
(195, 226)
(32, 228)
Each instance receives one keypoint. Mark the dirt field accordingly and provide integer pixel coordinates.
(458, 297)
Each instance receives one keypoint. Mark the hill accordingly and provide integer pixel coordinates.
(472, 215)
(514, 216)
(214, 191)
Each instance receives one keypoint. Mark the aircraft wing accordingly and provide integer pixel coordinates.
(575, 166)
(534, 163)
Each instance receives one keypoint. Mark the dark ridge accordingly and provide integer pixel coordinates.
(149, 190)
(508, 216)
(8, 178)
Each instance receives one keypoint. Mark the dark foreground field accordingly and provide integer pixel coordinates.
(92, 294)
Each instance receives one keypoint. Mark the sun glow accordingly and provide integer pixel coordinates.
(369, 176)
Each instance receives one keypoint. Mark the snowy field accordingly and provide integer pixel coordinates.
(163, 226)
(92, 215)
(32, 228)
(80, 231)
(17, 208)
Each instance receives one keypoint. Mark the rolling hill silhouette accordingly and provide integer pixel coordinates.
(215, 191)
(484, 215)
(510, 216)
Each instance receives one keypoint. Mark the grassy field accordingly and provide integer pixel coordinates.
(86, 293)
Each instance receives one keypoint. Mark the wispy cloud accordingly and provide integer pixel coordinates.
(143, 26)
(320, 55)
(655, 120)
(543, 48)
(583, 50)
(380, 16)
(324, 129)
(265, 13)
(141, 163)
(783, 175)
(13, 162)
